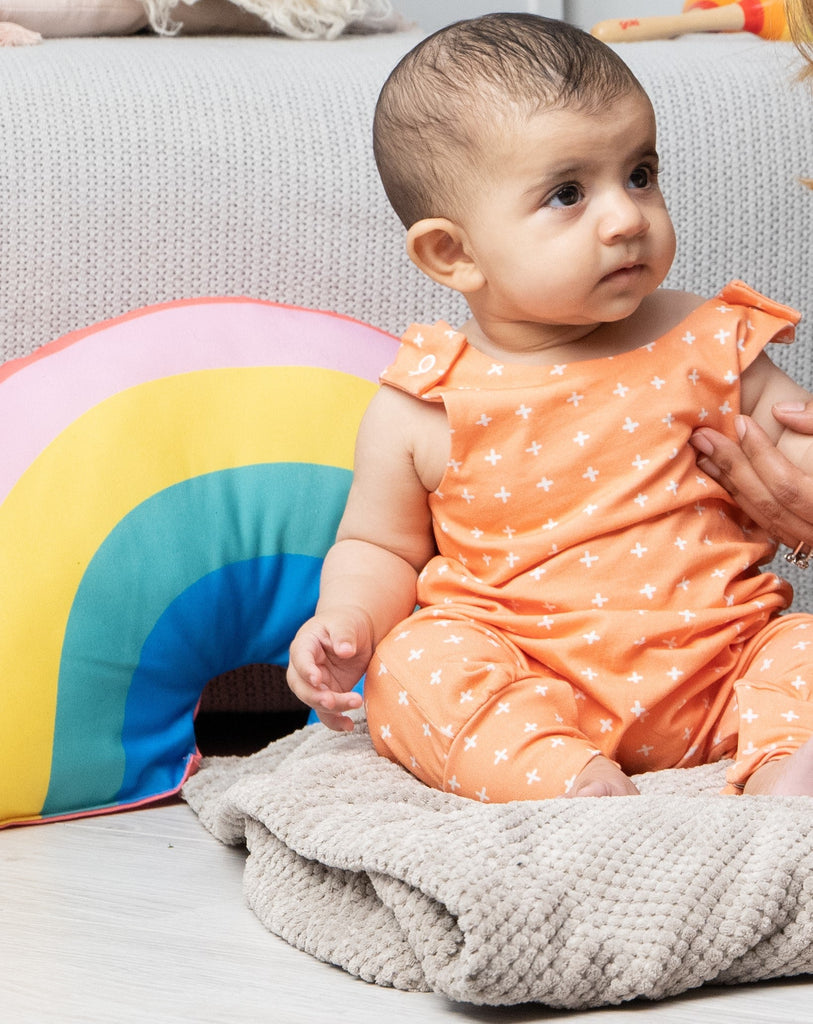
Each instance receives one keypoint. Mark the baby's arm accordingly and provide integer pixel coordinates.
(369, 575)
(763, 385)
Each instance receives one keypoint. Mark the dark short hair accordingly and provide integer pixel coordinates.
(441, 98)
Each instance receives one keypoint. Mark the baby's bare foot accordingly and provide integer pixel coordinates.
(785, 776)
(602, 777)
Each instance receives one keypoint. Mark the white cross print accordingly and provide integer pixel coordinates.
(492, 457)
(523, 411)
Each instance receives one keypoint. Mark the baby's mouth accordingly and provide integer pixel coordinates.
(627, 271)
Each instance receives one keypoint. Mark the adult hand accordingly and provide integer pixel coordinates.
(769, 488)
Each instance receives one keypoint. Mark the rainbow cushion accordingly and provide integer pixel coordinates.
(169, 485)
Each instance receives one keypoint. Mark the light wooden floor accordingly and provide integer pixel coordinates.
(140, 917)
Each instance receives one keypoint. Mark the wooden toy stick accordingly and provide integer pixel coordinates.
(762, 17)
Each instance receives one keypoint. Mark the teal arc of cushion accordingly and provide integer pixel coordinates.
(214, 572)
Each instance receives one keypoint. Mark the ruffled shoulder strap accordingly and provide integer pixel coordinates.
(426, 355)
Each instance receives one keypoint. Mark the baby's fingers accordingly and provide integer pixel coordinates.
(329, 708)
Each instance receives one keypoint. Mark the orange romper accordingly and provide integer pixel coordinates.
(594, 592)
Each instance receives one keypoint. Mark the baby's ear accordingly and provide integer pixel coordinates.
(439, 248)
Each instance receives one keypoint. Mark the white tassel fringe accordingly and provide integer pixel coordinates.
(302, 19)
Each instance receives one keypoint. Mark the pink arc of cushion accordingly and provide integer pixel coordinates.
(88, 366)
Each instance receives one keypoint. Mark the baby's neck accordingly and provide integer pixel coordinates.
(550, 344)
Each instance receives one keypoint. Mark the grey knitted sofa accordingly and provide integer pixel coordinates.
(139, 170)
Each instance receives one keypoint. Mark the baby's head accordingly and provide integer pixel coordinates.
(445, 103)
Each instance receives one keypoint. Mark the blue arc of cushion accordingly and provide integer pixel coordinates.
(212, 573)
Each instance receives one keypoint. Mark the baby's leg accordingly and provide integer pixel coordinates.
(775, 706)
(465, 711)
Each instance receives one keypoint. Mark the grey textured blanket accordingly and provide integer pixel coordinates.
(573, 904)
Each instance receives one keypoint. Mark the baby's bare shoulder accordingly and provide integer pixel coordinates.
(411, 430)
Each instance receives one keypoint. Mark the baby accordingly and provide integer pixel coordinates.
(589, 603)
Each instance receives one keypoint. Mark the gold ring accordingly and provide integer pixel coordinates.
(800, 556)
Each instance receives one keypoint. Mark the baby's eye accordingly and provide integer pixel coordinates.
(567, 195)
(643, 176)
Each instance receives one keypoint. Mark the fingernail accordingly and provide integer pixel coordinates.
(790, 406)
(702, 444)
(739, 426)
(709, 468)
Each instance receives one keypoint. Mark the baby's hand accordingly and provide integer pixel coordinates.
(329, 655)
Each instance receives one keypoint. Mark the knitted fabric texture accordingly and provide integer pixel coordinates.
(573, 904)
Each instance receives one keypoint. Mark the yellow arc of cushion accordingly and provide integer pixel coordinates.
(106, 463)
